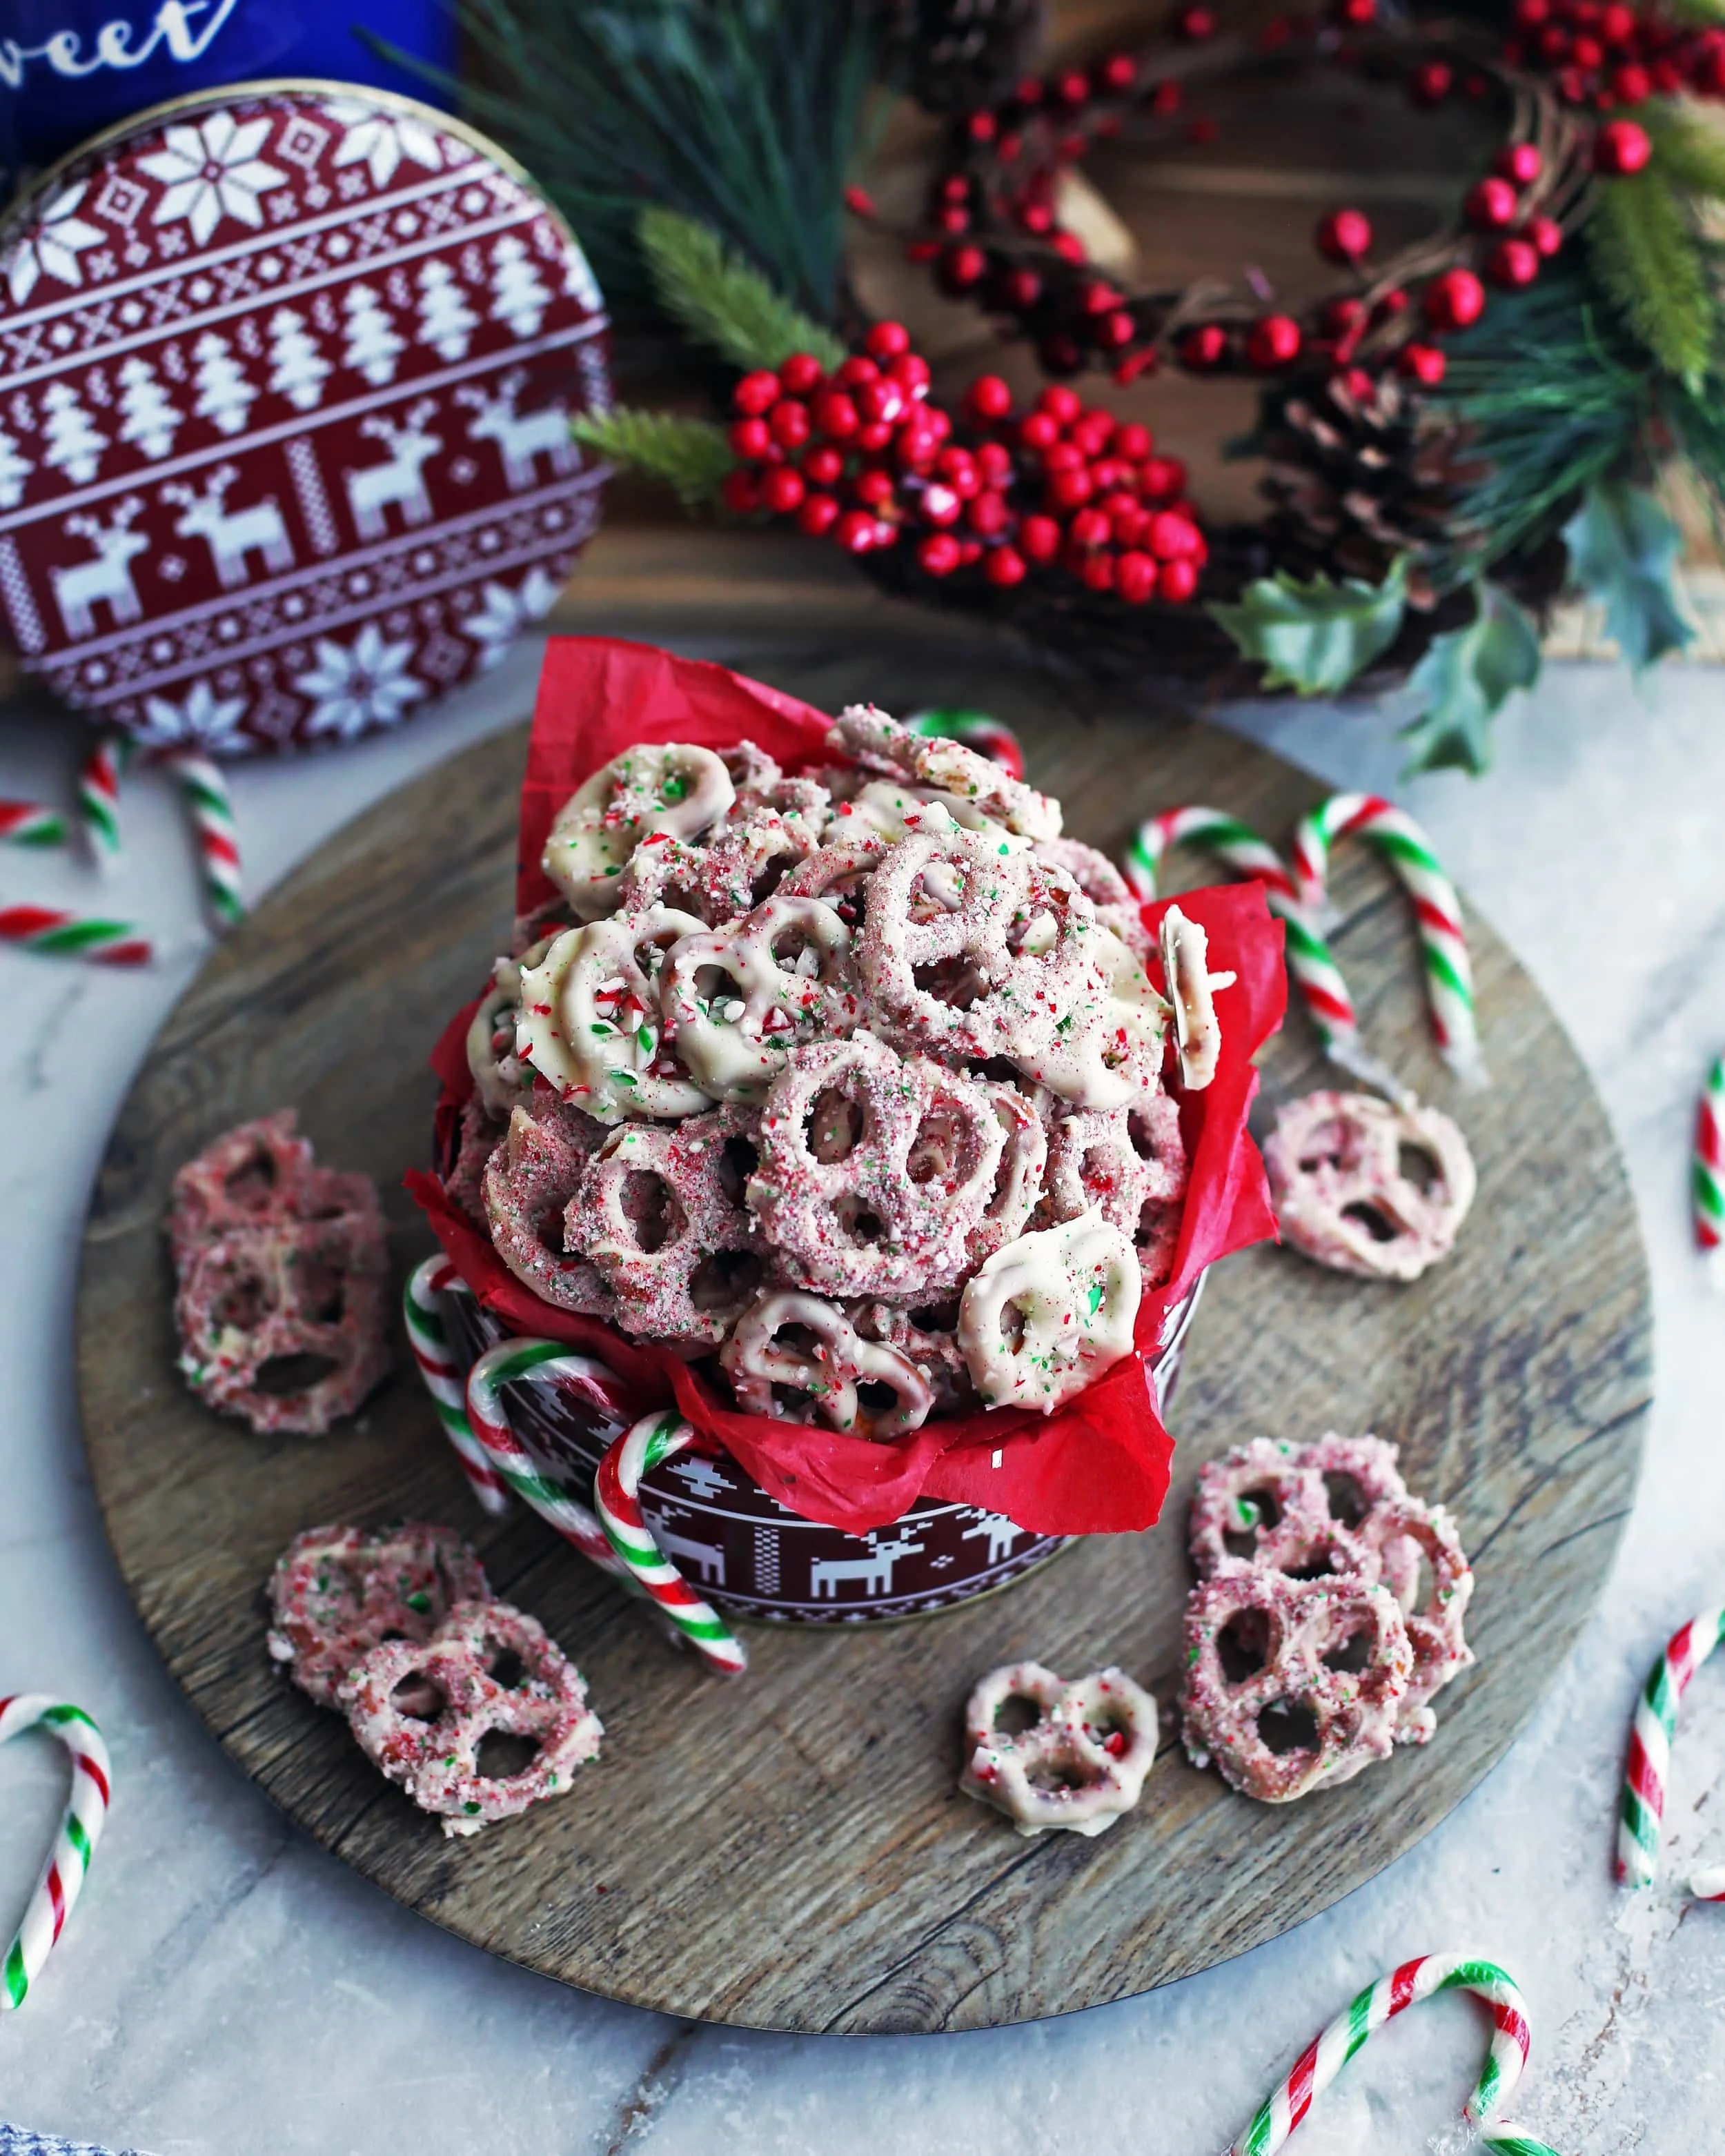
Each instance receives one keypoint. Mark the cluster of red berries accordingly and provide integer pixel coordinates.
(1604, 54)
(862, 456)
(990, 231)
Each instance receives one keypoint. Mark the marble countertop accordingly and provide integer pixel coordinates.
(227, 1987)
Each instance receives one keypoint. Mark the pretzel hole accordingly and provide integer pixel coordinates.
(768, 879)
(857, 1221)
(322, 1290)
(1243, 1645)
(1033, 936)
(833, 1128)
(1289, 1725)
(935, 1318)
(1348, 1501)
(954, 982)
(283, 1376)
(650, 1207)
(793, 950)
(1352, 1658)
(1017, 1715)
(738, 1159)
(1243, 1540)
(713, 986)
(1318, 1563)
(1014, 1328)
(418, 1697)
(505, 1666)
(1377, 1223)
(1415, 1165)
(244, 1303)
(249, 1187)
(1328, 1147)
(1052, 1775)
(1422, 1600)
(500, 1755)
(876, 1397)
(1139, 1130)
(725, 1279)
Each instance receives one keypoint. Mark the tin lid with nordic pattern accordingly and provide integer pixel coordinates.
(286, 380)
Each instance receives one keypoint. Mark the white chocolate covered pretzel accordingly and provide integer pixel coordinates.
(738, 998)
(590, 1024)
(793, 1343)
(1050, 1754)
(672, 787)
(1046, 1315)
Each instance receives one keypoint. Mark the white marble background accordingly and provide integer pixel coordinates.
(227, 1987)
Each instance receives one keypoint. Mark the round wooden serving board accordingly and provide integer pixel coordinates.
(791, 1851)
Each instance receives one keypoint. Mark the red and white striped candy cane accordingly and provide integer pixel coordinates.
(1311, 962)
(1708, 1172)
(210, 808)
(543, 1362)
(655, 1438)
(1642, 1812)
(1437, 910)
(98, 795)
(51, 933)
(74, 1843)
(29, 823)
(1319, 2064)
(423, 1307)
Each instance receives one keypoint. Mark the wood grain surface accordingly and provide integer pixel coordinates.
(791, 1851)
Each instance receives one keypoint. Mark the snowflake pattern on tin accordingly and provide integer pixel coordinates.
(284, 434)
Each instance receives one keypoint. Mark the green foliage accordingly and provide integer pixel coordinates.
(1622, 550)
(721, 301)
(1699, 12)
(745, 114)
(1315, 638)
(1648, 258)
(1464, 680)
(692, 455)
(1688, 151)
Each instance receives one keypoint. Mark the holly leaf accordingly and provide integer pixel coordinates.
(1464, 680)
(1315, 638)
(1622, 550)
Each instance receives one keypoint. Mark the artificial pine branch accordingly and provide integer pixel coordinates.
(1687, 150)
(691, 455)
(721, 301)
(745, 113)
(1647, 257)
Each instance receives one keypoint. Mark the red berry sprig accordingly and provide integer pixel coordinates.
(864, 457)
(1607, 56)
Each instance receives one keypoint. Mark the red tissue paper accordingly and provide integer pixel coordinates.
(1101, 1464)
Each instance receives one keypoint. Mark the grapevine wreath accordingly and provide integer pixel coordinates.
(1456, 434)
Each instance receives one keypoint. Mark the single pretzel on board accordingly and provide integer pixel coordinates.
(420, 1709)
(336, 1593)
(1343, 1196)
(1072, 1756)
(1293, 1685)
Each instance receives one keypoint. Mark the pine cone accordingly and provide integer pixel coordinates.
(958, 55)
(1359, 476)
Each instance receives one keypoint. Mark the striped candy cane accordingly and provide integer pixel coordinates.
(79, 1830)
(1312, 963)
(1707, 1174)
(98, 795)
(1649, 1749)
(208, 804)
(1437, 910)
(1319, 2063)
(544, 1362)
(637, 1453)
(52, 934)
(29, 823)
(423, 1307)
(987, 737)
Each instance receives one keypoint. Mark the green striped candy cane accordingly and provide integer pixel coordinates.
(210, 808)
(656, 1438)
(1649, 1752)
(1311, 962)
(80, 1830)
(546, 1362)
(427, 1333)
(1437, 911)
(99, 778)
(1708, 1173)
(1322, 2060)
